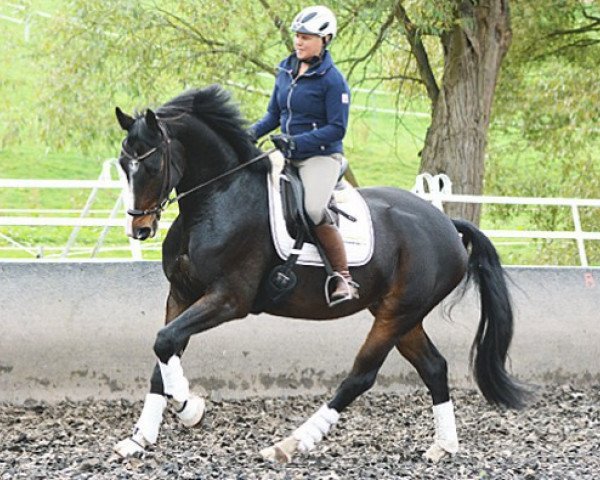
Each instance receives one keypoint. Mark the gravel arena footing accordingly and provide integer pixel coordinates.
(380, 436)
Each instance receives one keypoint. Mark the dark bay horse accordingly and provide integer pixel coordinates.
(218, 252)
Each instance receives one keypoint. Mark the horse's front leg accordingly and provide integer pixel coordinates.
(168, 380)
(208, 312)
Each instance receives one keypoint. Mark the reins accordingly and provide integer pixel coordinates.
(162, 206)
(169, 201)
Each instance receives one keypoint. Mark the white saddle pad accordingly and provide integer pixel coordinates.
(358, 236)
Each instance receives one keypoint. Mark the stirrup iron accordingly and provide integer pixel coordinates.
(349, 283)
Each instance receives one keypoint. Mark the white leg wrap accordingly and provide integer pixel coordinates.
(145, 431)
(151, 417)
(174, 383)
(313, 430)
(445, 427)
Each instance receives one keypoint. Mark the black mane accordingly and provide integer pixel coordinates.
(215, 108)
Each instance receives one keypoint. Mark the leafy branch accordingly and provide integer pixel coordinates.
(216, 47)
(413, 36)
(279, 23)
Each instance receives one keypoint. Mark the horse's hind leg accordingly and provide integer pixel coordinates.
(418, 349)
(190, 411)
(381, 339)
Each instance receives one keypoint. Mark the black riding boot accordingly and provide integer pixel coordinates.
(330, 239)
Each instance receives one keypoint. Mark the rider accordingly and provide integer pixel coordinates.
(310, 103)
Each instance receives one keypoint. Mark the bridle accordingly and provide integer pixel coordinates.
(166, 165)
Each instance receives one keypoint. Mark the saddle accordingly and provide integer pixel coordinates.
(292, 199)
(282, 279)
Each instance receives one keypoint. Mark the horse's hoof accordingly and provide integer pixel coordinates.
(435, 453)
(282, 451)
(193, 411)
(128, 448)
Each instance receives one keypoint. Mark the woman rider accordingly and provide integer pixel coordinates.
(310, 103)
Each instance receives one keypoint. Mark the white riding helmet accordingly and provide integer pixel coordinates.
(317, 20)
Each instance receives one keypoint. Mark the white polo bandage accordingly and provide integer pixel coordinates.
(445, 426)
(174, 382)
(151, 417)
(313, 430)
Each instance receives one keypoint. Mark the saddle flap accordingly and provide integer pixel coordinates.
(292, 200)
(357, 235)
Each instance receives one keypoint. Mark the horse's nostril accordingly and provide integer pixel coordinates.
(143, 233)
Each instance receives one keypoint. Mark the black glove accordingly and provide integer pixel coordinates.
(284, 143)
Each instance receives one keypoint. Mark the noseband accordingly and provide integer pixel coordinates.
(166, 165)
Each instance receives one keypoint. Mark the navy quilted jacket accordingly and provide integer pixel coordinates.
(313, 108)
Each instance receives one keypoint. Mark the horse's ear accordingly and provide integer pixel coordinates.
(124, 120)
(151, 121)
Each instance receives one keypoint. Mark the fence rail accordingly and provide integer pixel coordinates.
(436, 189)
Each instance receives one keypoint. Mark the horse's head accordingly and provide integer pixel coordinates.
(146, 160)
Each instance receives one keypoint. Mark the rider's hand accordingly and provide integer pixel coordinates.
(284, 143)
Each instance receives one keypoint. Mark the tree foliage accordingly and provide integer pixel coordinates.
(100, 54)
(551, 76)
(548, 105)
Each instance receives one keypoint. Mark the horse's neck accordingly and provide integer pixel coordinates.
(205, 163)
(236, 195)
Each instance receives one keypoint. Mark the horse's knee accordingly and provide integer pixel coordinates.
(164, 345)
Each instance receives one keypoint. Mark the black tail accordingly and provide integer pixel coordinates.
(490, 347)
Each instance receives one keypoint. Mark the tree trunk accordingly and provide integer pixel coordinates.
(456, 140)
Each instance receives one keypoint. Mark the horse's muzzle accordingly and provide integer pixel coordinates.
(143, 233)
(143, 228)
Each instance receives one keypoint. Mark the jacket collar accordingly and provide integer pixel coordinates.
(319, 68)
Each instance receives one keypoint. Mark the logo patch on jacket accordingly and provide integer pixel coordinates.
(345, 98)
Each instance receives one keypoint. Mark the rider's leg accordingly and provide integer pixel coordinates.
(319, 176)
(333, 244)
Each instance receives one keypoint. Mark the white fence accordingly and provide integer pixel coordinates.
(58, 218)
(437, 189)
